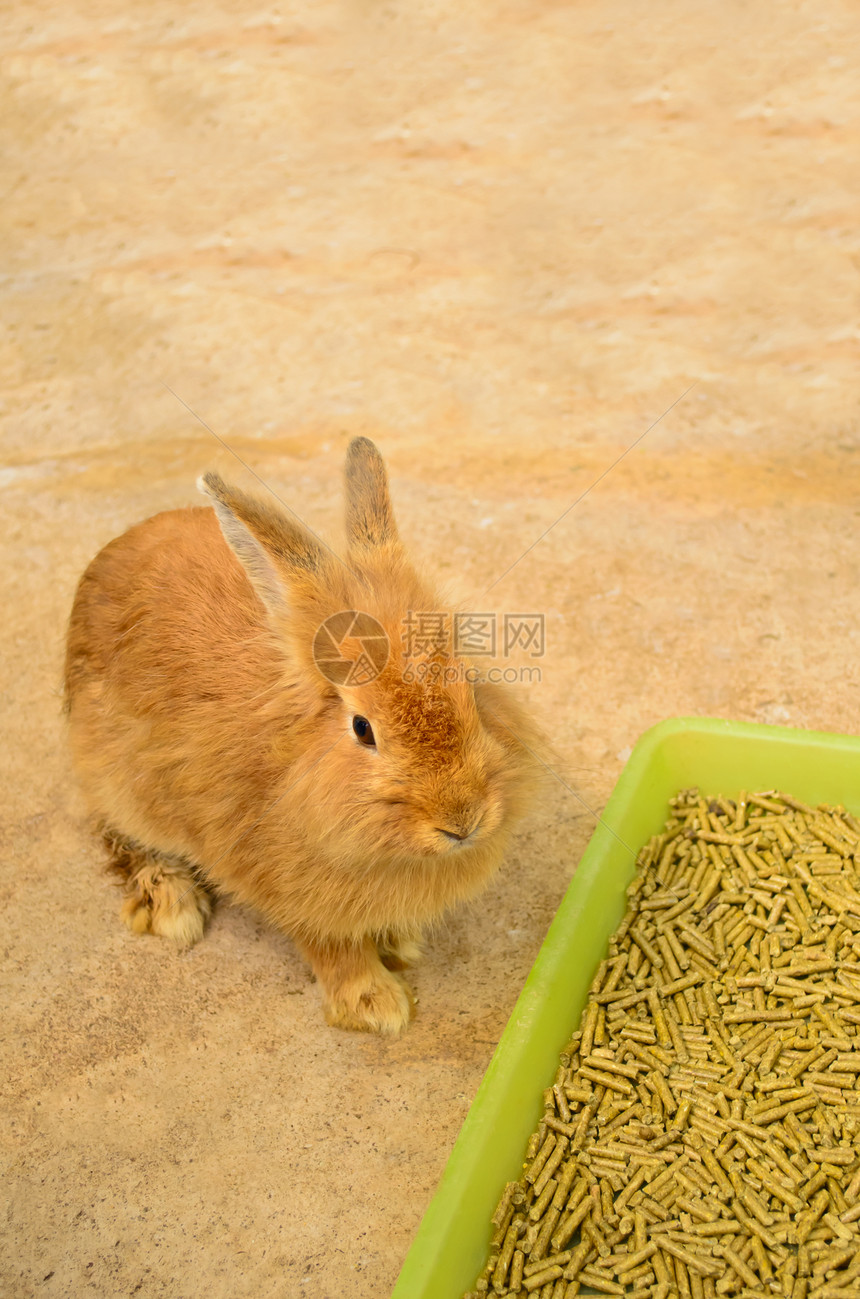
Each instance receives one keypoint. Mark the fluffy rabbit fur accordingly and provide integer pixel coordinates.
(215, 756)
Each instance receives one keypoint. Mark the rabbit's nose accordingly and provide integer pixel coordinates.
(461, 828)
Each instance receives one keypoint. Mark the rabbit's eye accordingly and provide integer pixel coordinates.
(363, 730)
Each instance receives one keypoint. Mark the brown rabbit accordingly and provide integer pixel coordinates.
(221, 745)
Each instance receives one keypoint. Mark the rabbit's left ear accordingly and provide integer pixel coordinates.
(278, 553)
(369, 516)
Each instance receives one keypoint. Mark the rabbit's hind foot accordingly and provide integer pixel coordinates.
(164, 896)
(398, 951)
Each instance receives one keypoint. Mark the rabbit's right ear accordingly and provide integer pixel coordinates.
(273, 548)
(369, 516)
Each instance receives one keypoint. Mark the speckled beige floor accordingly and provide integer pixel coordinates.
(502, 240)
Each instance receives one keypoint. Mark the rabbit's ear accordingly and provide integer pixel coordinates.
(271, 546)
(369, 516)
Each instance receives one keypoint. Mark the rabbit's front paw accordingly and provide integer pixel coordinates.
(383, 1003)
(358, 991)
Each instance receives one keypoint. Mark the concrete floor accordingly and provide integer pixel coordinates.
(502, 240)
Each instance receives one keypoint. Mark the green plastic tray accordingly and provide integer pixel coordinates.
(720, 757)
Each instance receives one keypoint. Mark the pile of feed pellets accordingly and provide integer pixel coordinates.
(702, 1134)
